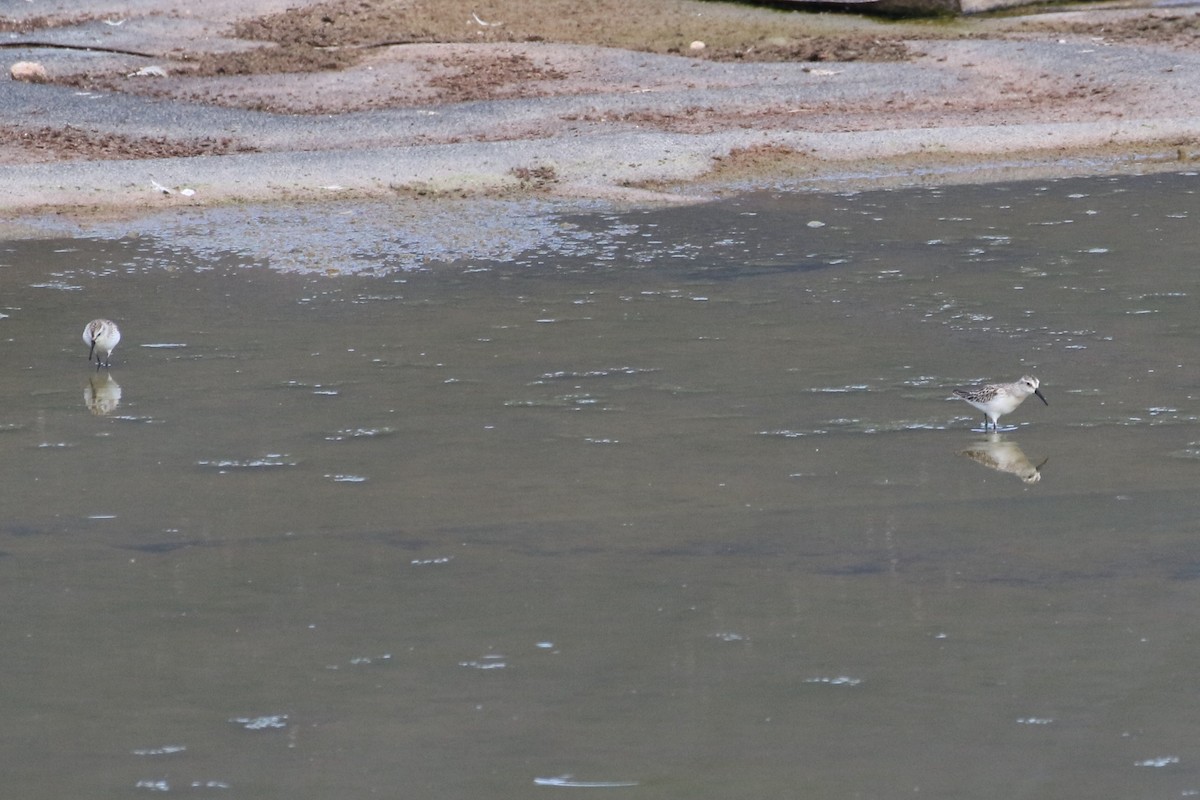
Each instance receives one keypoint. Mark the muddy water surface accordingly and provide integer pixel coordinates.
(668, 503)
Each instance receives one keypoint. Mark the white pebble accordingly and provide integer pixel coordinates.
(29, 71)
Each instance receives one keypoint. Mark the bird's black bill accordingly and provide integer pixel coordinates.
(1041, 396)
(91, 349)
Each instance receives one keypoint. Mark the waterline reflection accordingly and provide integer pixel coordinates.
(102, 394)
(995, 452)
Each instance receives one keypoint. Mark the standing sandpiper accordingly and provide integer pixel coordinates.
(101, 337)
(997, 399)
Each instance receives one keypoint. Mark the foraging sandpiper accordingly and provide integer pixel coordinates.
(101, 337)
(997, 399)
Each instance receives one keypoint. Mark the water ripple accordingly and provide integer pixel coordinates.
(269, 461)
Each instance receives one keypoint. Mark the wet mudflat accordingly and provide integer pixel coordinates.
(673, 501)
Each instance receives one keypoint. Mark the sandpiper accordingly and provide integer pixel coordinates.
(997, 399)
(101, 337)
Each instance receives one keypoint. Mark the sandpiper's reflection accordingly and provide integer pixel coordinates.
(1004, 456)
(102, 394)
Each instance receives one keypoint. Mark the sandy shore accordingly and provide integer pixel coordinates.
(138, 113)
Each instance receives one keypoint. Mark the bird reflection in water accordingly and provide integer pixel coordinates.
(1004, 456)
(102, 394)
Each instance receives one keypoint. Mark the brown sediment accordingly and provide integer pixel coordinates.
(620, 66)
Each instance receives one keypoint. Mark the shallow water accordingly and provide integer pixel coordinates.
(672, 503)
